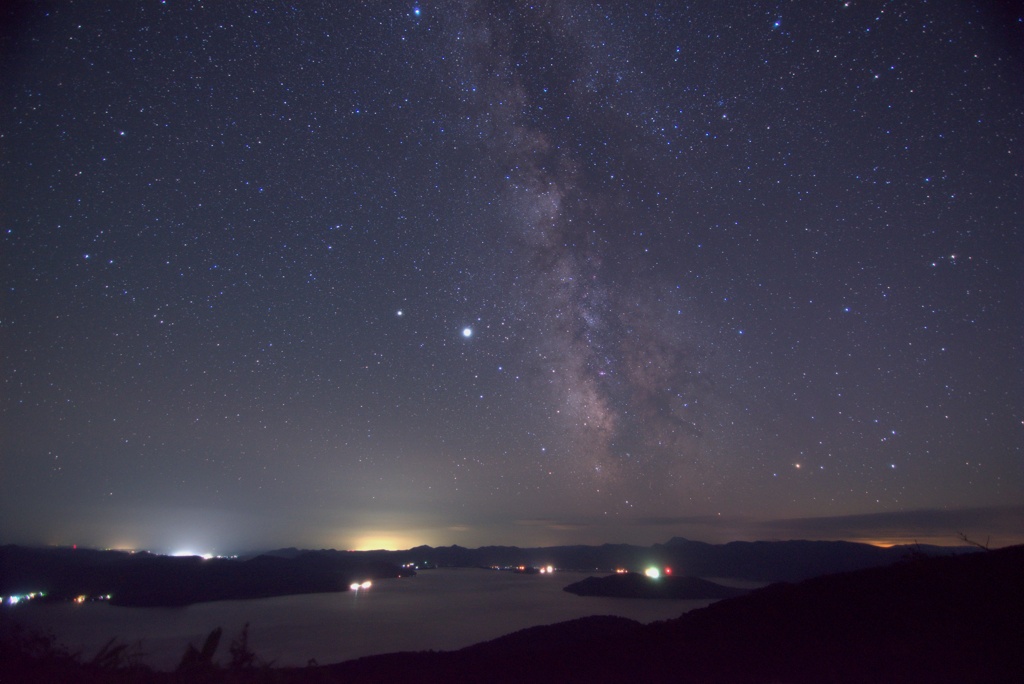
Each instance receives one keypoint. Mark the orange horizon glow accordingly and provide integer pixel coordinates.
(385, 541)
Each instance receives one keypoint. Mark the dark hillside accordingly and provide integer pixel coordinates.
(950, 619)
(145, 579)
(942, 620)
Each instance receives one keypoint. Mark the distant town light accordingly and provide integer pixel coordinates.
(15, 599)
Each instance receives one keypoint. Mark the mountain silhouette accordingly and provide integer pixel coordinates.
(948, 619)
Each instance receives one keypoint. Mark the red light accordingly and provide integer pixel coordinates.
(668, 571)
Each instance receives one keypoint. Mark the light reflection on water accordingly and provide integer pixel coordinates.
(437, 609)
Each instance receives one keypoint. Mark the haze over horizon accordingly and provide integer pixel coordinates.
(375, 275)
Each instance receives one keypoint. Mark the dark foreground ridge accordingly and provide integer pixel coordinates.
(635, 585)
(936, 620)
(947, 619)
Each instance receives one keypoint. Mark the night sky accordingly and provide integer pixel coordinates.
(362, 275)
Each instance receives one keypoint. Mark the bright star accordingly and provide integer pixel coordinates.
(467, 332)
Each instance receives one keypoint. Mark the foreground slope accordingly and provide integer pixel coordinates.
(937, 620)
(950, 619)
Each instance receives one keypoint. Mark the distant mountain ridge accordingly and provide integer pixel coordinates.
(145, 579)
(765, 561)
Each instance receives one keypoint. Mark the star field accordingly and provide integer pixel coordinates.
(382, 274)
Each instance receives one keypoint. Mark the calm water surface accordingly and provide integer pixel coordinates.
(436, 609)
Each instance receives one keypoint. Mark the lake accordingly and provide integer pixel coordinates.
(439, 609)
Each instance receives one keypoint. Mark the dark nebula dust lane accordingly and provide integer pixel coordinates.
(385, 274)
